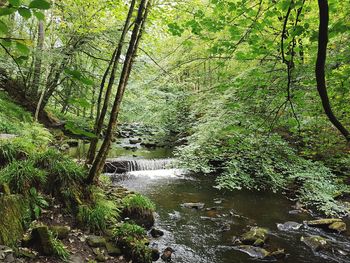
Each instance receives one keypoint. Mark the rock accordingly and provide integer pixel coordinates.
(155, 254)
(156, 233)
(100, 256)
(338, 227)
(333, 224)
(96, 241)
(166, 256)
(113, 250)
(255, 252)
(141, 217)
(323, 222)
(41, 240)
(316, 243)
(278, 254)
(197, 206)
(135, 140)
(5, 189)
(13, 215)
(27, 253)
(6, 254)
(76, 259)
(256, 236)
(289, 226)
(61, 232)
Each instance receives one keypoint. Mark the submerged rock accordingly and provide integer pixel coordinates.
(289, 226)
(197, 206)
(256, 236)
(316, 243)
(255, 252)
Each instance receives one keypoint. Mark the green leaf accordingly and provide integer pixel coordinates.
(78, 131)
(3, 28)
(15, 2)
(39, 15)
(7, 11)
(22, 48)
(40, 4)
(25, 12)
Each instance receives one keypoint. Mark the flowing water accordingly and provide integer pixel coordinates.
(205, 236)
(200, 236)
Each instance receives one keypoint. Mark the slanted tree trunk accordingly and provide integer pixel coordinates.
(320, 68)
(101, 113)
(100, 159)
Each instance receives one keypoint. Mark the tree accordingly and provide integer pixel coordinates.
(137, 32)
(320, 68)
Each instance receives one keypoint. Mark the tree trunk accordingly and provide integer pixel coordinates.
(100, 117)
(100, 159)
(34, 89)
(320, 68)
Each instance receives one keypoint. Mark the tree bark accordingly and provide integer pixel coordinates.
(320, 68)
(100, 159)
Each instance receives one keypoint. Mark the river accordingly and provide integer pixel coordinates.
(205, 236)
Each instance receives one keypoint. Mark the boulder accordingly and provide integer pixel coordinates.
(256, 236)
(61, 232)
(96, 241)
(140, 216)
(197, 206)
(316, 243)
(155, 254)
(156, 233)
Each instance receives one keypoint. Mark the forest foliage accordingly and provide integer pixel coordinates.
(233, 79)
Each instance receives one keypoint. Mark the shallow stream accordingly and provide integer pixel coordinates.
(205, 236)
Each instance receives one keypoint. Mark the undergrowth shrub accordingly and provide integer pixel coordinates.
(22, 176)
(63, 171)
(99, 215)
(138, 201)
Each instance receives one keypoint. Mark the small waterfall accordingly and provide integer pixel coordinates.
(123, 166)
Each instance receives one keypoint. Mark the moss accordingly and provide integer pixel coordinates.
(15, 215)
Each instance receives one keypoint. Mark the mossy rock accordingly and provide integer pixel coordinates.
(338, 227)
(323, 222)
(15, 215)
(96, 241)
(256, 236)
(41, 240)
(61, 232)
(140, 216)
